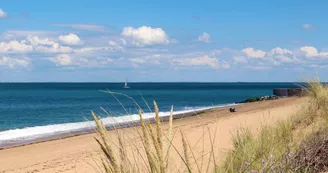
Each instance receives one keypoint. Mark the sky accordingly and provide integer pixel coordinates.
(163, 41)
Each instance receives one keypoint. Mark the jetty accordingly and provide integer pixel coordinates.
(287, 92)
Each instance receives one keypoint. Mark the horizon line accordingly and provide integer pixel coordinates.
(161, 82)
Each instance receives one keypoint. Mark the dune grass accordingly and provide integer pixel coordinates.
(272, 150)
(156, 149)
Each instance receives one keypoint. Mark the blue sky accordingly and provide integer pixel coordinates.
(212, 41)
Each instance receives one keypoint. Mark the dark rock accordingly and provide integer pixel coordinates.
(256, 99)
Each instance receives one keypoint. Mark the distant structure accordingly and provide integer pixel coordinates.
(287, 92)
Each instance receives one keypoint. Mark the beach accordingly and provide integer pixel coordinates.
(82, 153)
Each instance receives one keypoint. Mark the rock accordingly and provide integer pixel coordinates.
(262, 98)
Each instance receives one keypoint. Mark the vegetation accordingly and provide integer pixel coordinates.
(256, 99)
(298, 144)
(279, 148)
(155, 153)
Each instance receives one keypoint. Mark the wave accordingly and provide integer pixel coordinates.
(16, 137)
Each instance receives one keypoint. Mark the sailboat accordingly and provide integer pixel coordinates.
(126, 83)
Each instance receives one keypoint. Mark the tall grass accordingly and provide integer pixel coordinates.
(268, 151)
(271, 149)
(155, 152)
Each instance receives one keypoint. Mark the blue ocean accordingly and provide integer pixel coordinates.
(32, 110)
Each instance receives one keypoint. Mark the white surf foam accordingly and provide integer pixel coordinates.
(31, 134)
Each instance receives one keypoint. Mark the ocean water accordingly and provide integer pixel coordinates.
(31, 111)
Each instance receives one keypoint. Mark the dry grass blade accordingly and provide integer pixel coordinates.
(106, 167)
(146, 143)
(154, 140)
(123, 155)
(145, 102)
(180, 155)
(159, 143)
(186, 152)
(212, 142)
(105, 146)
(170, 138)
(158, 128)
(190, 150)
(115, 93)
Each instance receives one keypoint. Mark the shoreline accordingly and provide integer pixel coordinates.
(91, 129)
(82, 153)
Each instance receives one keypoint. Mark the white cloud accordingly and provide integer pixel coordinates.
(312, 52)
(113, 47)
(33, 44)
(146, 35)
(259, 60)
(308, 26)
(254, 67)
(88, 27)
(280, 51)
(14, 63)
(15, 47)
(283, 58)
(282, 55)
(201, 61)
(3, 14)
(250, 52)
(224, 64)
(240, 60)
(152, 59)
(62, 60)
(70, 39)
(123, 41)
(112, 43)
(205, 37)
(138, 60)
(55, 48)
(323, 54)
(101, 62)
(91, 49)
(309, 51)
(116, 45)
(68, 60)
(35, 41)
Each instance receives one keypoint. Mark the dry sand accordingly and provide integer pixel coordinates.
(81, 153)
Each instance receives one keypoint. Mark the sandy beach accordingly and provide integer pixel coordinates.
(81, 153)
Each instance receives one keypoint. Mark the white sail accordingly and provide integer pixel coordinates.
(126, 83)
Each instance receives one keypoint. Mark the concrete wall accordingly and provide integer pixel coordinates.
(282, 92)
(287, 92)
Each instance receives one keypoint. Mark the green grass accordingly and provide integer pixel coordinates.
(268, 151)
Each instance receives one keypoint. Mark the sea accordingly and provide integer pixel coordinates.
(31, 112)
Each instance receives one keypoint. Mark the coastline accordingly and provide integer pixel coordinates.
(81, 153)
(90, 128)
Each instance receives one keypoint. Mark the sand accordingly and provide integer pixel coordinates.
(82, 153)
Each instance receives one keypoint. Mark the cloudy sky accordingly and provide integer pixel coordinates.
(212, 41)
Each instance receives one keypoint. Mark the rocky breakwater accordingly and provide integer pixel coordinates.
(262, 98)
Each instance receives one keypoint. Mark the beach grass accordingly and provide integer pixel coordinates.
(273, 149)
(276, 148)
(156, 148)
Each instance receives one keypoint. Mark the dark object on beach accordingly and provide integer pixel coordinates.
(287, 92)
(232, 109)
